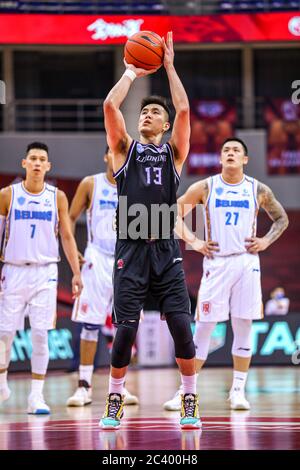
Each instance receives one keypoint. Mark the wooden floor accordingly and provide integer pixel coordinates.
(272, 423)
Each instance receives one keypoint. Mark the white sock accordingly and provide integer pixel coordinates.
(37, 386)
(116, 385)
(189, 383)
(3, 380)
(85, 373)
(239, 381)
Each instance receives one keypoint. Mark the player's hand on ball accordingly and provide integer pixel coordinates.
(207, 248)
(77, 286)
(139, 72)
(255, 244)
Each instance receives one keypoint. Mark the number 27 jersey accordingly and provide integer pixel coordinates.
(230, 214)
(31, 233)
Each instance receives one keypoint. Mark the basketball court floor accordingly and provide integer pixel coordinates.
(272, 423)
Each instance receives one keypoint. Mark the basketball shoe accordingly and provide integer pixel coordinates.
(82, 396)
(129, 399)
(113, 412)
(37, 405)
(238, 401)
(4, 393)
(175, 403)
(189, 411)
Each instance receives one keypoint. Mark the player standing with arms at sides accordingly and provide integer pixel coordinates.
(148, 258)
(97, 195)
(231, 268)
(32, 213)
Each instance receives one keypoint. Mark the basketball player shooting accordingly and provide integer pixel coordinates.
(31, 214)
(231, 268)
(147, 174)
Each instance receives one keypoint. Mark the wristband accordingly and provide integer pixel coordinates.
(130, 74)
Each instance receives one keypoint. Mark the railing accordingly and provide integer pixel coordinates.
(54, 115)
(65, 115)
(184, 7)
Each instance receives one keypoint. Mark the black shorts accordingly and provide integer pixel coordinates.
(143, 267)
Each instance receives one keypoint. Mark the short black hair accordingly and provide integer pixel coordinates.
(155, 99)
(37, 145)
(236, 139)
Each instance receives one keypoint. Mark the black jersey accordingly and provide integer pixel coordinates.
(147, 184)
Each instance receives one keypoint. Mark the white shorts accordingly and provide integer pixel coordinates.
(95, 301)
(28, 289)
(230, 284)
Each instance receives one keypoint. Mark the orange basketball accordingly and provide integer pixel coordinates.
(144, 50)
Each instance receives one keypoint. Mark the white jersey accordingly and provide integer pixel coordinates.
(31, 235)
(101, 215)
(231, 214)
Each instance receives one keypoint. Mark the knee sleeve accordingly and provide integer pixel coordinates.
(241, 345)
(90, 332)
(6, 340)
(180, 328)
(202, 337)
(40, 351)
(123, 342)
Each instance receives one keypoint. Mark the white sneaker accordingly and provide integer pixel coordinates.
(238, 400)
(37, 405)
(175, 403)
(82, 397)
(129, 399)
(4, 394)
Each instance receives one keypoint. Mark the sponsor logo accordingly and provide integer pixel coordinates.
(21, 200)
(206, 307)
(120, 263)
(177, 259)
(246, 192)
(47, 203)
(219, 191)
(226, 203)
(294, 26)
(103, 30)
(33, 202)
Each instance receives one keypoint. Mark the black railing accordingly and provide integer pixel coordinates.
(178, 7)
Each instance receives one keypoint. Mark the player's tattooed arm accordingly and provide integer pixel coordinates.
(277, 214)
(275, 211)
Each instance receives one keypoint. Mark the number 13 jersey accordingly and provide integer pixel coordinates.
(31, 232)
(147, 178)
(230, 214)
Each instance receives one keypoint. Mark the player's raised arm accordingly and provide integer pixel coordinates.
(277, 214)
(181, 128)
(117, 137)
(68, 242)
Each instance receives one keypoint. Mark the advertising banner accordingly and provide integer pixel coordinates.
(115, 29)
(282, 118)
(212, 121)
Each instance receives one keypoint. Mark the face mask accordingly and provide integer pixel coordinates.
(279, 296)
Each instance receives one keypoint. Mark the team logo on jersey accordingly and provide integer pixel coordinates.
(105, 192)
(219, 191)
(206, 307)
(139, 148)
(21, 200)
(47, 203)
(120, 263)
(84, 308)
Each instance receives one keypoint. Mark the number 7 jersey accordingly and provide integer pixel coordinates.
(230, 214)
(31, 232)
